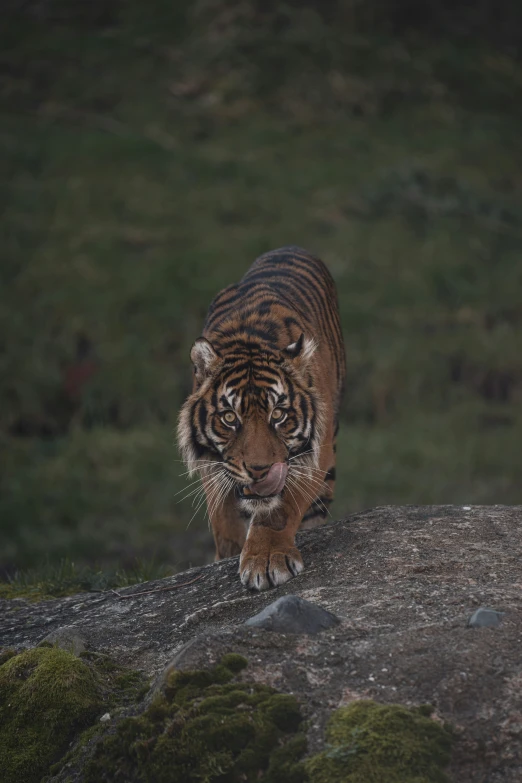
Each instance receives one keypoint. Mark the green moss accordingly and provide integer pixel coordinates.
(47, 696)
(48, 699)
(5, 654)
(207, 727)
(84, 740)
(373, 743)
(234, 662)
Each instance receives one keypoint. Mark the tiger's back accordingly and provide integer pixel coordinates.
(285, 293)
(261, 422)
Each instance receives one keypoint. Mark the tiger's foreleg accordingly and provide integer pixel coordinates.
(270, 556)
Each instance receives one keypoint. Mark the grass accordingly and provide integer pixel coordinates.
(55, 580)
(146, 162)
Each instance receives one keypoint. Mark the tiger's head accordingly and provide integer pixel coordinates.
(255, 412)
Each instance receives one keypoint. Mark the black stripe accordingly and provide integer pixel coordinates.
(202, 418)
(264, 383)
(287, 280)
(304, 411)
(231, 383)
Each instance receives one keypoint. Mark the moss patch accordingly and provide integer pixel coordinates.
(5, 654)
(207, 727)
(47, 698)
(373, 743)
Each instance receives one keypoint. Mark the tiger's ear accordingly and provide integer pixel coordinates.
(304, 348)
(204, 358)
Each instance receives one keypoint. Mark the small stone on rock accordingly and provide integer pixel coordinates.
(106, 717)
(291, 614)
(67, 638)
(485, 618)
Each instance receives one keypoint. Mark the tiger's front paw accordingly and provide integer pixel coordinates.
(261, 567)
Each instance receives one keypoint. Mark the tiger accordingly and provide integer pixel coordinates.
(260, 425)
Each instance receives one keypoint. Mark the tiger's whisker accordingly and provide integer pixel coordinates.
(202, 467)
(195, 512)
(192, 483)
(319, 475)
(193, 491)
(307, 495)
(220, 496)
(304, 471)
(294, 499)
(209, 481)
(212, 490)
(310, 451)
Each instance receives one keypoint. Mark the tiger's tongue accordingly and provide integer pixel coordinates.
(273, 483)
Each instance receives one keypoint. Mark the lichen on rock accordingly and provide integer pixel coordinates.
(207, 726)
(372, 743)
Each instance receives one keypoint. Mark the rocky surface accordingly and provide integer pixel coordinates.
(404, 583)
(66, 638)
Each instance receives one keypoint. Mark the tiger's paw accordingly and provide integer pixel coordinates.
(260, 569)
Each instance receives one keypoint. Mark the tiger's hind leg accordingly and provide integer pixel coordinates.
(319, 509)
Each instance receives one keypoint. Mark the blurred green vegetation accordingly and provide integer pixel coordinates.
(64, 577)
(148, 153)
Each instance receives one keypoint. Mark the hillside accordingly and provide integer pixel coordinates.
(149, 156)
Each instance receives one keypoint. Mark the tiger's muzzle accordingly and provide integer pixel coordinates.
(272, 484)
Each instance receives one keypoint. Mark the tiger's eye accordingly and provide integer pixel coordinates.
(229, 417)
(277, 414)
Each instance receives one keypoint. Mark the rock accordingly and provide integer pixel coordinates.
(402, 580)
(485, 618)
(291, 614)
(105, 717)
(66, 638)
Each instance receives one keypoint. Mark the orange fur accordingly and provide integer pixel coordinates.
(268, 378)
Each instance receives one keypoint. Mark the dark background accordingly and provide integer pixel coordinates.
(150, 151)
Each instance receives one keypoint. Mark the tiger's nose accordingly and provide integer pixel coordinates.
(257, 472)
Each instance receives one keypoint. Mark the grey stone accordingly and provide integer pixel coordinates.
(485, 618)
(291, 614)
(67, 638)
